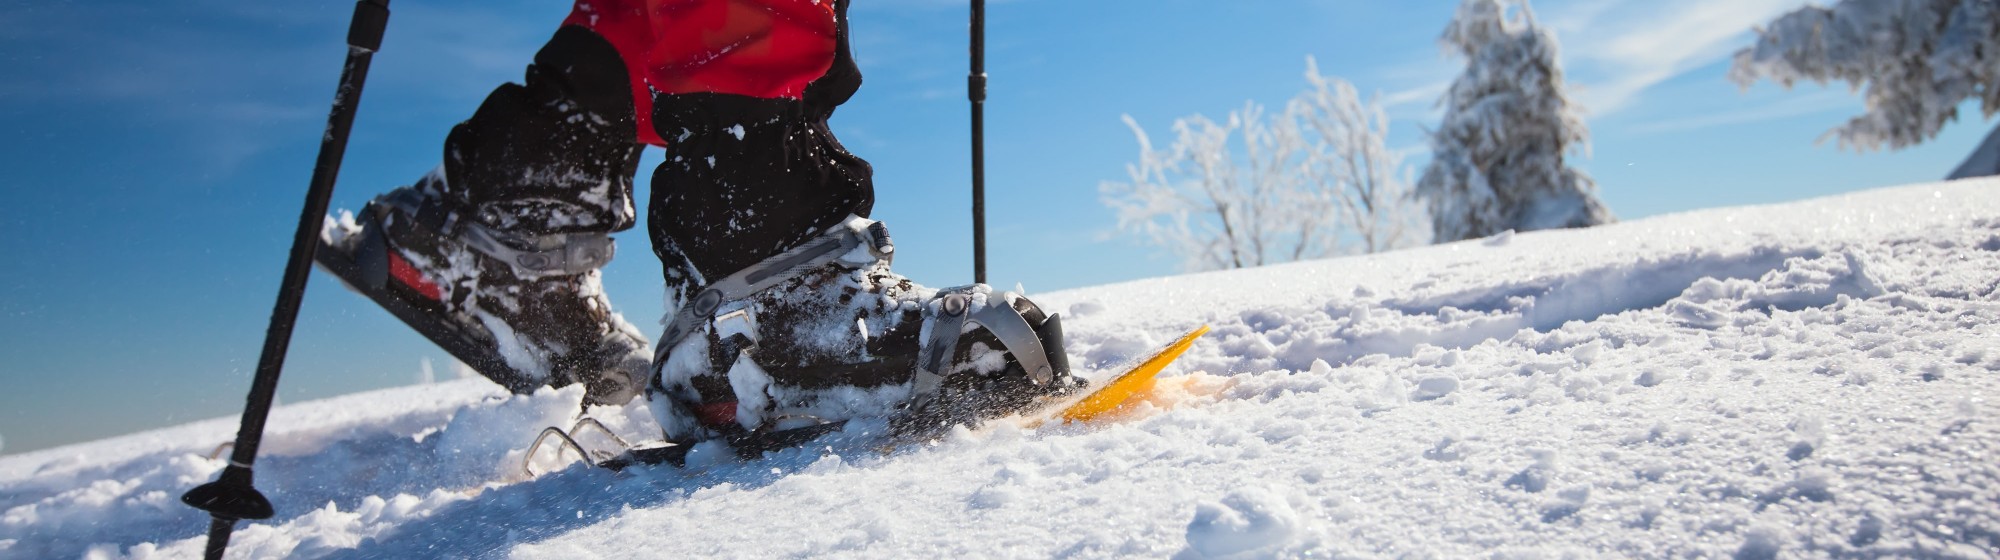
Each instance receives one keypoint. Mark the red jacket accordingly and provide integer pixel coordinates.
(758, 48)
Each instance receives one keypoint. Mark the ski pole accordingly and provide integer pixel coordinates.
(975, 86)
(231, 496)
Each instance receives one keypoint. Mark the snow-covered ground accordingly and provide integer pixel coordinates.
(1812, 379)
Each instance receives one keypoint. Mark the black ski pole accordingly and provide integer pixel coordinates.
(975, 85)
(232, 497)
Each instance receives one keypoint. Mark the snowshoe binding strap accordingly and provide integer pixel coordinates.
(553, 253)
(933, 357)
(838, 241)
(1037, 348)
(1021, 339)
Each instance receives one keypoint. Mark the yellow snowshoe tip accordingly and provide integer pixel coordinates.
(1137, 380)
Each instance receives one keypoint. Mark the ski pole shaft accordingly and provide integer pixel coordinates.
(976, 90)
(233, 496)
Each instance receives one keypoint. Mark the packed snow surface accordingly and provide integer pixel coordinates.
(1812, 379)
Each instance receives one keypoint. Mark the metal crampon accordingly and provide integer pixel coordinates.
(595, 457)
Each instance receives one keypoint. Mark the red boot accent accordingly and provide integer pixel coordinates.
(716, 414)
(409, 276)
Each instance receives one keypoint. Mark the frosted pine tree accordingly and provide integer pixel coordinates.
(1913, 60)
(1498, 158)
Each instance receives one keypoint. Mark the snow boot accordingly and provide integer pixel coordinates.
(825, 332)
(525, 311)
(783, 310)
(495, 254)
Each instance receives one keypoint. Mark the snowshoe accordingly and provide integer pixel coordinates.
(524, 311)
(825, 332)
(1102, 396)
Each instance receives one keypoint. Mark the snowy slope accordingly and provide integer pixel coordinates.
(1812, 379)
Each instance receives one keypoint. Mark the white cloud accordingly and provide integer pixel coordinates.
(1820, 101)
(1426, 94)
(1615, 50)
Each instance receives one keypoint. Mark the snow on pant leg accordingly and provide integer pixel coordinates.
(554, 155)
(764, 75)
(742, 93)
(626, 25)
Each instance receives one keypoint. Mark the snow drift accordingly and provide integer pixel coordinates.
(1809, 379)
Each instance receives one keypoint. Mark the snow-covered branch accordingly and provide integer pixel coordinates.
(1913, 60)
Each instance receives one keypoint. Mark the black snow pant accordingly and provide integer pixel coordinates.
(744, 178)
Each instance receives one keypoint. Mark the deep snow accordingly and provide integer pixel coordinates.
(1809, 379)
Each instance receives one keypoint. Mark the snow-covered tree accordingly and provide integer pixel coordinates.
(1349, 160)
(1312, 181)
(1914, 61)
(1498, 158)
(1198, 200)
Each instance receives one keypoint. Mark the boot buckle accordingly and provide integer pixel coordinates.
(736, 320)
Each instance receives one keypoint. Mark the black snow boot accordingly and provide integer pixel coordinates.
(826, 332)
(783, 311)
(523, 315)
(495, 254)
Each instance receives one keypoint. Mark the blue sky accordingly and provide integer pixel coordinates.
(157, 155)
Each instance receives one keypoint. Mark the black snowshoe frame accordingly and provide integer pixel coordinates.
(747, 446)
(919, 422)
(366, 271)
